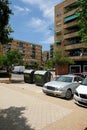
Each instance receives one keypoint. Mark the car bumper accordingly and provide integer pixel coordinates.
(80, 101)
(55, 93)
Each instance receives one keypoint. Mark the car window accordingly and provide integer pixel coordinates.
(80, 79)
(55, 79)
(84, 82)
(76, 79)
(65, 79)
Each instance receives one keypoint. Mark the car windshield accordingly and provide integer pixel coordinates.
(84, 82)
(64, 79)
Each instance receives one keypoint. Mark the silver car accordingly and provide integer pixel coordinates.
(80, 95)
(63, 86)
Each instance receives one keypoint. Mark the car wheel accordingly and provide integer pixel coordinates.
(68, 94)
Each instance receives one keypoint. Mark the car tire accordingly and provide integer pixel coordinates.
(68, 94)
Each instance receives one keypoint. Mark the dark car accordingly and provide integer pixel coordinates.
(81, 74)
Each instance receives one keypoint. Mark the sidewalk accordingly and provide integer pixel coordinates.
(12, 80)
(41, 112)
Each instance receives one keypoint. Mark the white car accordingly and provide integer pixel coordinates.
(63, 86)
(18, 69)
(80, 95)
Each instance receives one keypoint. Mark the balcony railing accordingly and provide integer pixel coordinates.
(71, 35)
(79, 58)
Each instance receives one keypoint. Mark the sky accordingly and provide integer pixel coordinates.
(33, 21)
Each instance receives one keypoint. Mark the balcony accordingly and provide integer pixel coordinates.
(74, 46)
(58, 32)
(71, 35)
(70, 24)
(51, 47)
(70, 18)
(70, 7)
(70, 13)
(58, 42)
(79, 58)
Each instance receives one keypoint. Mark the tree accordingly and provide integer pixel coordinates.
(58, 59)
(50, 64)
(14, 57)
(5, 28)
(82, 19)
(11, 58)
(2, 59)
(62, 59)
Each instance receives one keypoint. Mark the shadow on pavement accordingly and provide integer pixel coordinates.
(13, 119)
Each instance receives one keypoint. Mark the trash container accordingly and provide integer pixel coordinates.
(41, 77)
(29, 76)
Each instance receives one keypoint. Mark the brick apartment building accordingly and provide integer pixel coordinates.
(66, 35)
(45, 56)
(51, 50)
(29, 51)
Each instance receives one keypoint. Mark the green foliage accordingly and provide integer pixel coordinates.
(62, 59)
(82, 19)
(50, 64)
(58, 59)
(2, 59)
(5, 28)
(14, 57)
(35, 65)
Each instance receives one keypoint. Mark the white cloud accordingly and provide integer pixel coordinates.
(49, 40)
(19, 9)
(42, 27)
(39, 25)
(47, 7)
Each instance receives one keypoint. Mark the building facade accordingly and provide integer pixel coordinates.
(30, 52)
(51, 50)
(45, 56)
(66, 35)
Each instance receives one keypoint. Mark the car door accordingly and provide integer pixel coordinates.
(75, 83)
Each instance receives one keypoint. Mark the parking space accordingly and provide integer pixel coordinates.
(32, 109)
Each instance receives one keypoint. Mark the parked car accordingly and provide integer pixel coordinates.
(81, 74)
(63, 86)
(18, 69)
(80, 94)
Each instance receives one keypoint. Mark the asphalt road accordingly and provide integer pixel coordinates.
(25, 107)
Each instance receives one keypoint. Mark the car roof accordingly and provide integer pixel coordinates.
(69, 75)
(80, 73)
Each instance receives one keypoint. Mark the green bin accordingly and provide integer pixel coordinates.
(29, 76)
(41, 77)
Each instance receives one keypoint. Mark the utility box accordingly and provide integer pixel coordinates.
(41, 77)
(29, 76)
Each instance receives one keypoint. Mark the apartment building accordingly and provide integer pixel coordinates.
(66, 35)
(29, 51)
(45, 56)
(0, 48)
(51, 50)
